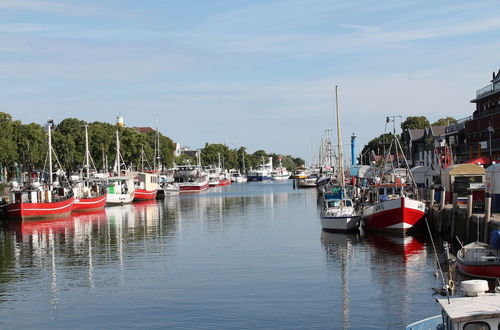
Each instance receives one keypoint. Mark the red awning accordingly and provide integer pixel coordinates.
(479, 161)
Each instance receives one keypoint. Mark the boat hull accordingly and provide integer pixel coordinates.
(479, 270)
(280, 178)
(479, 260)
(397, 215)
(333, 223)
(258, 178)
(145, 195)
(119, 199)
(224, 182)
(193, 188)
(35, 211)
(89, 204)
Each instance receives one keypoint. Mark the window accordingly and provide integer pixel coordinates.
(476, 326)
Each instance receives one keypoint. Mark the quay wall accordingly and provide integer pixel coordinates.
(450, 221)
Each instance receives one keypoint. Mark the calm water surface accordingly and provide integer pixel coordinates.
(246, 256)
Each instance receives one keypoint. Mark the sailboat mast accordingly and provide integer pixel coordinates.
(49, 126)
(157, 160)
(117, 161)
(339, 139)
(87, 153)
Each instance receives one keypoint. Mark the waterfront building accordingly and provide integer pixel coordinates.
(419, 145)
(483, 129)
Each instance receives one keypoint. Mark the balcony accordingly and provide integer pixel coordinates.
(488, 90)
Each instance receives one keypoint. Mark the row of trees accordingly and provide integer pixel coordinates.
(411, 122)
(24, 147)
(239, 158)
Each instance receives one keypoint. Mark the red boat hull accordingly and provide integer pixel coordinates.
(485, 271)
(394, 215)
(35, 211)
(193, 188)
(224, 182)
(88, 204)
(145, 195)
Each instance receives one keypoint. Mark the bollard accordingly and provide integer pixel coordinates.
(431, 198)
(487, 214)
(453, 215)
(469, 217)
(443, 198)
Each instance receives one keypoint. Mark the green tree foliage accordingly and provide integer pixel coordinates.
(413, 122)
(9, 151)
(444, 121)
(377, 145)
(27, 145)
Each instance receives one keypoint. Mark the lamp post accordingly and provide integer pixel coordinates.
(490, 131)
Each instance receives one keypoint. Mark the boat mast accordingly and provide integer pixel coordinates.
(142, 158)
(339, 140)
(87, 153)
(156, 160)
(49, 128)
(243, 156)
(117, 161)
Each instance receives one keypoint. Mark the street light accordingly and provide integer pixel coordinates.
(490, 131)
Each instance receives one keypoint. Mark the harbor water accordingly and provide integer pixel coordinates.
(245, 256)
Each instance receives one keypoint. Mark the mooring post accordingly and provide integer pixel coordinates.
(469, 217)
(443, 197)
(431, 198)
(441, 210)
(453, 214)
(487, 214)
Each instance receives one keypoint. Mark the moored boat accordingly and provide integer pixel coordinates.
(190, 178)
(308, 182)
(42, 198)
(146, 186)
(474, 309)
(237, 177)
(121, 189)
(339, 215)
(280, 173)
(478, 259)
(394, 203)
(90, 192)
(262, 172)
(396, 214)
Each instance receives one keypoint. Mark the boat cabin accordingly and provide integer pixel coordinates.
(475, 310)
(330, 203)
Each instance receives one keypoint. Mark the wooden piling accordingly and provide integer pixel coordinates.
(487, 215)
(453, 214)
(431, 198)
(469, 217)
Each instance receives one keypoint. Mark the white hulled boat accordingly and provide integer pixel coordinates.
(121, 189)
(339, 213)
(280, 172)
(262, 172)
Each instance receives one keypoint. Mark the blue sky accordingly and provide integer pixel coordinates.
(255, 73)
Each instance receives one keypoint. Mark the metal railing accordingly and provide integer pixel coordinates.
(488, 89)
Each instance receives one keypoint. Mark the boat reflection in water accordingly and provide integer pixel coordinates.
(398, 274)
(339, 248)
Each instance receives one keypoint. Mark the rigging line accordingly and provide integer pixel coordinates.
(437, 260)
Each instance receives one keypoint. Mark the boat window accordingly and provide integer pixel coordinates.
(348, 203)
(476, 326)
